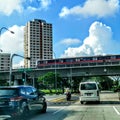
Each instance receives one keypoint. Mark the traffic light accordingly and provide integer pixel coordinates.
(23, 76)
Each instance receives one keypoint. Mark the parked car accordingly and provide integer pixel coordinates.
(20, 100)
(89, 91)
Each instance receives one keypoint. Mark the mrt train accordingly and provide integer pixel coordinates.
(78, 60)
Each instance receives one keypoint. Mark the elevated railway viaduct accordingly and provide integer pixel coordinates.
(68, 70)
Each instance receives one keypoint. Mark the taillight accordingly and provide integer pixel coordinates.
(16, 98)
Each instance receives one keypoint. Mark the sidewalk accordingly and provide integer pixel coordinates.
(109, 96)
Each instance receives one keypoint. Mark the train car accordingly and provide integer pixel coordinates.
(78, 60)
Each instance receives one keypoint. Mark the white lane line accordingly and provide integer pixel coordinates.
(59, 110)
(116, 110)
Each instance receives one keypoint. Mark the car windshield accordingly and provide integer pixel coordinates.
(8, 92)
(88, 86)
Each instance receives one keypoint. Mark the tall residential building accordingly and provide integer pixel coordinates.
(4, 61)
(37, 42)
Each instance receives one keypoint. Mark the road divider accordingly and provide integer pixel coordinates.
(57, 99)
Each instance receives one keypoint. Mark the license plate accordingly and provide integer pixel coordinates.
(88, 94)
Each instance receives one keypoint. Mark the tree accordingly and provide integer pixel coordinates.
(49, 80)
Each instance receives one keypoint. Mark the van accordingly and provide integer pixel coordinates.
(89, 91)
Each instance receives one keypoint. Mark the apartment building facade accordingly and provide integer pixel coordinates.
(5, 61)
(37, 42)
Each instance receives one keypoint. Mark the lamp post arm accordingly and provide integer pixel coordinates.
(5, 29)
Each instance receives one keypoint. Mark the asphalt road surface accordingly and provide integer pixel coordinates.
(108, 109)
(60, 109)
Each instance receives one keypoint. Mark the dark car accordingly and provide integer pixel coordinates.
(20, 100)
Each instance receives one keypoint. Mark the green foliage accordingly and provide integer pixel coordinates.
(53, 91)
(49, 80)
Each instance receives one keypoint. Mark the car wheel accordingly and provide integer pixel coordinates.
(98, 102)
(81, 102)
(44, 108)
(23, 109)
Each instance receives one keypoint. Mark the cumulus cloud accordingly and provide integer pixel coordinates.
(99, 8)
(8, 6)
(98, 42)
(70, 41)
(19, 65)
(45, 3)
(12, 43)
(37, 5)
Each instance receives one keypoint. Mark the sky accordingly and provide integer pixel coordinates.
(80, 27)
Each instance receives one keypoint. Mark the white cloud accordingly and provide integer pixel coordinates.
(99, 8)
(8, 6)
(38, 5)
(98, 42)
(19, 65)
(31, 9)
(70, 41)
(45, 3)
(12, 43)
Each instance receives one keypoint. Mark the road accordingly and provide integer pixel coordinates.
(60, 109)
(108, 109)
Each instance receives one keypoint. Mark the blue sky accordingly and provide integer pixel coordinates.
(80, 27)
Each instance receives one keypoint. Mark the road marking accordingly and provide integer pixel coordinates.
(59, 110)
(116, 110)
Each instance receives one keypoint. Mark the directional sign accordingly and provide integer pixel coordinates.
(24, 69)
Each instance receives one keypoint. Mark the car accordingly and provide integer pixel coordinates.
(20, 100)
(89, 92)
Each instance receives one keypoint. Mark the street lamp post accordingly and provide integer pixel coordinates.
(55, 74)
(11, 59)
(7, 30)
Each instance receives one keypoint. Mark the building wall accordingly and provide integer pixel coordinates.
(37, 41)
(4, 61)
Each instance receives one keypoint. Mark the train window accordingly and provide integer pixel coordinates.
(57, 61)
(113, 57)
(39, 62)
(87, 58)
(118, 57)
(107, 57)
(64, 60)
(77, 59)
(68, 60)
(44, 62)
(100, 58)
(94, 58)
(51, 61)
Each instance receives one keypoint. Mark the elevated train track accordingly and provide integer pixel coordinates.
(108, 65)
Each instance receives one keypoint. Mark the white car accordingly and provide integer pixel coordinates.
(89, 91)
